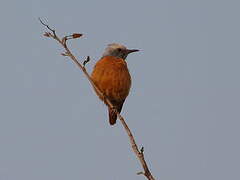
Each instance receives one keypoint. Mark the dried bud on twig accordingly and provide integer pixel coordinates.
(65, 54)
(47, 34)
(76, 35)
(86, 61)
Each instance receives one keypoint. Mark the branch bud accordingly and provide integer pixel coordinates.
(47, 34)
(76, 35)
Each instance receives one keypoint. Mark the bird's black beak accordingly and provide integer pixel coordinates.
(131, 50)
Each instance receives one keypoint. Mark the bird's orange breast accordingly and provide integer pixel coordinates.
(112, 77)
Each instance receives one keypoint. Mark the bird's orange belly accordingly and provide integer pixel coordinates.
(115, 85)
(114, 82)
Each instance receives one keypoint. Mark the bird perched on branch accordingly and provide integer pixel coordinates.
(112, 77)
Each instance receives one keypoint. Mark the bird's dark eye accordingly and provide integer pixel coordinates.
(119, 49)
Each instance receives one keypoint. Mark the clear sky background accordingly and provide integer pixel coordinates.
(184, 105)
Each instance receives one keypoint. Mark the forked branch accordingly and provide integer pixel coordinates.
(63, 42)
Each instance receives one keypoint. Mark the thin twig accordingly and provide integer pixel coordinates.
(135, 149)
(53, 31)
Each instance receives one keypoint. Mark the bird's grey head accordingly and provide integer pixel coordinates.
(118, 50)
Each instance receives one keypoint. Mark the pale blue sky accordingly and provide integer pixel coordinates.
(183, 106)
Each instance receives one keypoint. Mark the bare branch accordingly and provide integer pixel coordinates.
(135, 149)
(53, 31)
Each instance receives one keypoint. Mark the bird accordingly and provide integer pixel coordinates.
(111, 76)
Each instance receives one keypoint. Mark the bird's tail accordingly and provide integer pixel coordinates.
(112, 116)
